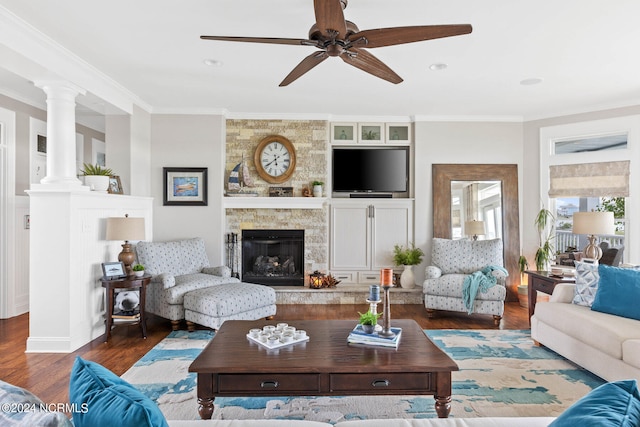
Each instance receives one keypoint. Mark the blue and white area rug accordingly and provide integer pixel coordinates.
(501, 374)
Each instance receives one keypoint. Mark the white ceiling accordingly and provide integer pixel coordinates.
(587, 54)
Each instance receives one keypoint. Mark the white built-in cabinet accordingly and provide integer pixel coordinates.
(363, 233)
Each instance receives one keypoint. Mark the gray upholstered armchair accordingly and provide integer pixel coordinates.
(452, 261)
(178, 267)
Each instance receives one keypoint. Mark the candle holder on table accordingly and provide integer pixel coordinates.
(386, 281)
(374, 300)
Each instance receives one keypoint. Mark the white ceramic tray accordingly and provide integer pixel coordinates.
(278, 344)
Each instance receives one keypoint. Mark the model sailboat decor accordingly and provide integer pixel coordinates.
(239, 178)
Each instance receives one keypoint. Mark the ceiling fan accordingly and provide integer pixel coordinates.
(335, 36)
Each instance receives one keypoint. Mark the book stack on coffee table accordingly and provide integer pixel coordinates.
(359, 336)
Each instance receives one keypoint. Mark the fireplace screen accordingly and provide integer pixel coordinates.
(273, 257)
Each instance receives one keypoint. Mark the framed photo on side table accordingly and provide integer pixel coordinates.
(185, 186)
(113, 270)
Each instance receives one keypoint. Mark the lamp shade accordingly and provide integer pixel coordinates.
(593, 223)
(472, 228)
(125, 228)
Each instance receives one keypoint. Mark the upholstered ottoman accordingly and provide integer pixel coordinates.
(238, 301)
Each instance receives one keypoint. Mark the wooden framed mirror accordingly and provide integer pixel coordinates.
(507, 174)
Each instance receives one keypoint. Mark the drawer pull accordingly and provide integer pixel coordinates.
(380, 383)
(269, 384)
(371, 277)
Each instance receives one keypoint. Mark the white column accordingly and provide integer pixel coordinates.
(61, 134)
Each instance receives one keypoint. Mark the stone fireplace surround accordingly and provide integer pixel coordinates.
(311, 141)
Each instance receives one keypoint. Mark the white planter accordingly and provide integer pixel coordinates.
(138, 273)
(407, 279)
(97, 182)
(317, 191)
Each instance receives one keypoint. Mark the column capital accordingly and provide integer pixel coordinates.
(56, 86)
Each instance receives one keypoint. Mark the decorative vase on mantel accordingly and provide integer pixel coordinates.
(407, 279)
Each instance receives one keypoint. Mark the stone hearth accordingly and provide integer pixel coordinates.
(346, 294)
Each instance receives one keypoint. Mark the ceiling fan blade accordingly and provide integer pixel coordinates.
(307, 64)
(369, 63)
(399, 35)
(329, 16)
(271, 40)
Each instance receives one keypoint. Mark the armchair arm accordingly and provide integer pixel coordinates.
(432, 272)
(167, 280)
(222, 271)
(563, 292)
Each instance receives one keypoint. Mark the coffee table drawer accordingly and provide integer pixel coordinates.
(265, 383)
(380, 382)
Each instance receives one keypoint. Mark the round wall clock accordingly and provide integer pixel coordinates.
(275, 159)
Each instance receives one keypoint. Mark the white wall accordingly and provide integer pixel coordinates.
(189, 141)
(458, 142)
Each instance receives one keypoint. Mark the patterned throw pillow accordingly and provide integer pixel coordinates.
(587, 279)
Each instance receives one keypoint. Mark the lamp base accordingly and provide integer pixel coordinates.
(592, 250)
(127, 257)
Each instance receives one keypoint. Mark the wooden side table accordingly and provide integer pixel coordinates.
(542, 281)
(130, 282)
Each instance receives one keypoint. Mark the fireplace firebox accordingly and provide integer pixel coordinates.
(273, 257)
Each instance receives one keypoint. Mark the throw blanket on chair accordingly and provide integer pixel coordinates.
(480, 280)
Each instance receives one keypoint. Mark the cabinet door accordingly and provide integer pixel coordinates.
(392, 225)
(350, 237)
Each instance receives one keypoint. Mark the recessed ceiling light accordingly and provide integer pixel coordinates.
(438, 66)
(212, 62)
(531, 81)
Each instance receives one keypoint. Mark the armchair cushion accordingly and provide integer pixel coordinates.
(173, 258)
(191, 282)
(465, 256)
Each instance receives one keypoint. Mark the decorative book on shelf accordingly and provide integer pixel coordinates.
(359, 336)
(126, 315)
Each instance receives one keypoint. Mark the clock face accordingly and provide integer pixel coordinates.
(275, 159)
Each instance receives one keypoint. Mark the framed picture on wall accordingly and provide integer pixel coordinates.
(184, 186)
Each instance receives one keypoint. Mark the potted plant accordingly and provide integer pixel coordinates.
(523, 294)
(317, 188)
(138, 270)
(96, 177)
(369, 321)
(545, 253)
(407, 257)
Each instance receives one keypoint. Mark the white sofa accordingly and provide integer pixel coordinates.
(451, 262)
(431, 422)
(605, 344)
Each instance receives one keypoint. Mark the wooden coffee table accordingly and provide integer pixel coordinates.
(232, 365)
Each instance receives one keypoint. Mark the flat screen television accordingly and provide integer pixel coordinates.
(370, 170)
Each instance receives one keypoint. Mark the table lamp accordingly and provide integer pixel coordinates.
(474, 228)
(125, 228)
(592, 223)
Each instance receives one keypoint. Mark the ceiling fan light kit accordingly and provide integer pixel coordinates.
(334, 36)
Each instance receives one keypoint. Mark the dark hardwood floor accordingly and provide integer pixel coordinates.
(47, 375)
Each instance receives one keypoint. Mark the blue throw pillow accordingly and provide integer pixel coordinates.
(615, 404)
(109, 400)
(618, 292)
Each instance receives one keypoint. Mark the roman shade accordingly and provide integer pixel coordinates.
(606, 179)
